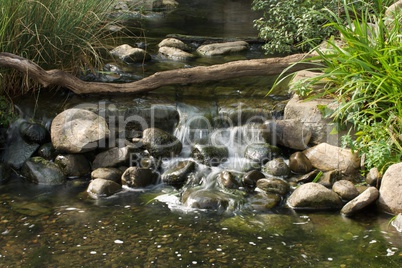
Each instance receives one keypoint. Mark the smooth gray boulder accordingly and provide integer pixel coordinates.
(369, 196)
(345, 189)
(112, 157)
(314, 196)
(78, 131)
(222, 48)
(130, 54)
(174, 43)
(291, 133)
(99, 188)
(176, 54)
(390, 199)
(111, 174)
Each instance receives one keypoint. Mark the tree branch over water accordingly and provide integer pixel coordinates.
(200, 74)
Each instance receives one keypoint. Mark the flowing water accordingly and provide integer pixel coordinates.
(62, 227)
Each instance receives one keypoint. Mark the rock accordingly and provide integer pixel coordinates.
(328, 157)
(110, 174)
(99, 188)
(309, 177)
(73, 165)
(299, 163)
(130, 54)
(397, 223)
(42, 171)
(175, 54)
(136, 177)
(250, 179)
(345, 189)
(274, 186)
(47, 151)
(34, 132)
(206, 199)
(174, 43)
(390, 199)
(5, 172)
(113, 157)
(261, 152)
(160, 143)
(328, 178)
(373, 177)
(366, 198)
(222, 48)
(277, 167)
(229, 180)
(78, 130)
(290, 133)
(311, 115)
(263, 201)
(314, 196)
(17, 150)
(210, 155)
(177, 174)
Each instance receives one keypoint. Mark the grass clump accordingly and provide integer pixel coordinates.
(363, 73)
(65, 34)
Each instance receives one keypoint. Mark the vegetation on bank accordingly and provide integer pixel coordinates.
(362, 72)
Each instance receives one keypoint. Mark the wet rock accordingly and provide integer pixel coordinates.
(328, 157)
(250, 178)
(345, 189)
(206, 199)
(277, 167)
(229, 180)
(373, 177)
(222, 48)
(73, 165)
(299, 163)
(261, 152)
(78, 130)
(263, 201)
(390, 199)
(366, 198)
(34, 132)
(17, 150)
(397, 223)
(5, 172)
(160, 143)
(136, 177)
(110, 174)
(30, 208)
(42, 171)
(130, 54)
(210, 155)
(290, 133)
(99, 188)
(47, 151)
(113, 157)
(314, 196)
(274, 186)
(175, 54)
(177, 174)
(175, 43)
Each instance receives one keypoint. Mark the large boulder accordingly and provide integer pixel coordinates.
(291, 133)
(390, 199)
(160, 143)
(130, 54)
(345, 189)
(328, 157)
(369, 196)
(78, 130)
(222, 48)
(42, 171)
(314, 196)
(99, 188)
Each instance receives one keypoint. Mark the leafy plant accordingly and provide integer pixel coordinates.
(363, 73)
(67, 34)
(294, 25)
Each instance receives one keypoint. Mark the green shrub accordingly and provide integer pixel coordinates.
(65, 34)
(363, 72)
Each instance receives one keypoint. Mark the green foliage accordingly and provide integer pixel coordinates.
(294, 25)
(65, 34)
(6, 112)
(363, 73)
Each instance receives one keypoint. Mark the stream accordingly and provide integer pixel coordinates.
(61, 226)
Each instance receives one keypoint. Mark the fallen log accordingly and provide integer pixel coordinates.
(200, 74)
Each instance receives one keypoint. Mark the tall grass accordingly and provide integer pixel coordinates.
(64, 34)
(364, 75)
